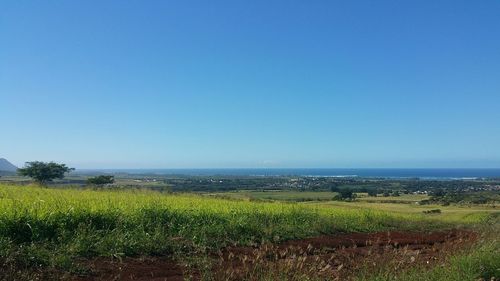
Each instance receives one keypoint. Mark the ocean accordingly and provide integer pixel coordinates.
(426, 173)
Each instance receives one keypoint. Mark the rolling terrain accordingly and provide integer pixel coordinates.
(95, 234)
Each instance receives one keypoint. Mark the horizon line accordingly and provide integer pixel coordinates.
(294, 168)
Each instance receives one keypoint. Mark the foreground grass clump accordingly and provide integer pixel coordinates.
(42, 227)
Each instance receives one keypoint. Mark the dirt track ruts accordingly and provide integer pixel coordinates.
(342, 252)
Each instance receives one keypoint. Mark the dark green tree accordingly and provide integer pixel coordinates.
(334, 187)
(101, 180)
(438, 193)
(43, 172)
(345, 194)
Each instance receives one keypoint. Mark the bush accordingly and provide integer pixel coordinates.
(345, 194)
(433, 211)
(101, 180)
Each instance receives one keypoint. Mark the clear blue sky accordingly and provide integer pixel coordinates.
(207, 84)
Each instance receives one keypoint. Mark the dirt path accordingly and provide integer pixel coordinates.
(331, 257)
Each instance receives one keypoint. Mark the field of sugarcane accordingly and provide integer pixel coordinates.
(51, 228)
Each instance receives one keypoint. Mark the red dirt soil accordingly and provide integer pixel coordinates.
(338, 256)
(154, 269)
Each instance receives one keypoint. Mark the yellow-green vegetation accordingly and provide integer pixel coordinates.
(406, 204)
(279, 195)
(456, 214)
(50, 227)
(299, 196)
(403, 198)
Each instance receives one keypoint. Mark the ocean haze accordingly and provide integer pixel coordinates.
(368, 173)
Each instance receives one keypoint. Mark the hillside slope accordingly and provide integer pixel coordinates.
(7, 166)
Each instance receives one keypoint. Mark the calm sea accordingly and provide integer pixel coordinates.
(364, 173)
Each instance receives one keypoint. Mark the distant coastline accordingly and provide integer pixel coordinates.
(423, 173)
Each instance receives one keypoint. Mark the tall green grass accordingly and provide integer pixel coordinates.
(48, 227)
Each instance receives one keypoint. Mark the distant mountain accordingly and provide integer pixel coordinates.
(6, 166)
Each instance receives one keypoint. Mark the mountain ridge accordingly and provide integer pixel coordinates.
(6, 166)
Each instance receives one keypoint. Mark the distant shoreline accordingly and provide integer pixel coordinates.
(397, 173)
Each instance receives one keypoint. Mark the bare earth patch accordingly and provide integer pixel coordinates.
(335, 257)
(154, 269)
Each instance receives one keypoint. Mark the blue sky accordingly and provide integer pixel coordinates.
(217, 84)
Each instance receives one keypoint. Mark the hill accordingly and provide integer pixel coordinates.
(6, 166)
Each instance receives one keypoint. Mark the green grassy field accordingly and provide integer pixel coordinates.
(404, 198)
(40, 214)
(406, 204)
(278, 195)
(49, 228)
(452, 214)
(298, 196)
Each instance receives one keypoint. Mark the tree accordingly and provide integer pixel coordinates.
(101, 180)
(438, 193)
(372, 192)
(43, 172)
(346, 194)
(334, 187)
